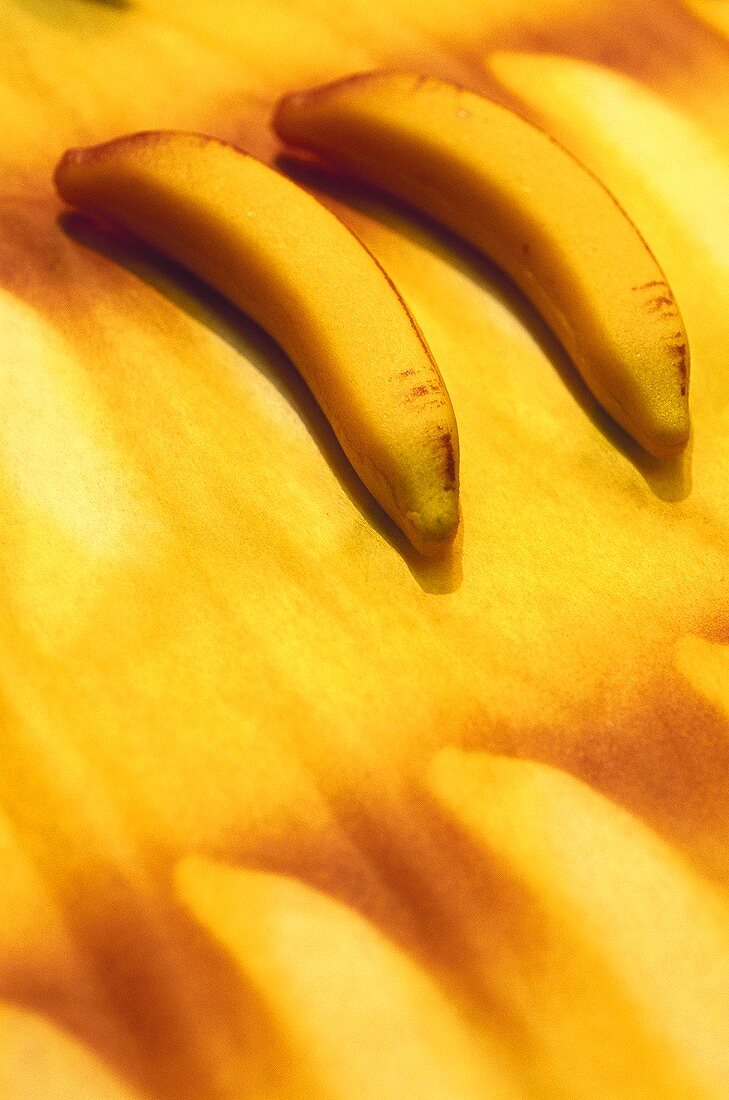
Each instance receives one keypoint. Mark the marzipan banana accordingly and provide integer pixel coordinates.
(517, 195)
(292, 266)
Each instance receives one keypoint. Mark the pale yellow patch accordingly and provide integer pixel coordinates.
(672, 171)
(365, 1019)
(713, 12)
(72, 508)
(619, 902)
(39, 1061)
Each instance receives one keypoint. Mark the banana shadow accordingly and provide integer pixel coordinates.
(669, 480)
(206, 306)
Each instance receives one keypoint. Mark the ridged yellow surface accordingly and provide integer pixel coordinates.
(314, 818)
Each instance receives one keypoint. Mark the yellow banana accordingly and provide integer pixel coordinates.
(517, 195)
(291, 265)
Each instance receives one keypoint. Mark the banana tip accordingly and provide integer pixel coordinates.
(293, 101)
(667, 441)
(287, 115)
(432, 531)
(291, 109)
(71, 159)
(668, 448)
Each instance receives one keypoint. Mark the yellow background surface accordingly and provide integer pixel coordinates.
(284, 810)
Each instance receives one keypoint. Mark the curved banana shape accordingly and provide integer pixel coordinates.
(291, 265)
(514, 193)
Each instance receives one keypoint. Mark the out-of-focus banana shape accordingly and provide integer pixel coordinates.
(521, 198)
(291, 265)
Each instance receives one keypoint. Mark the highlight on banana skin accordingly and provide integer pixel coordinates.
(289, 263)
(518, 196)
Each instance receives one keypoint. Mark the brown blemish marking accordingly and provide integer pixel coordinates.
(677, 348)
(656, 304)
(418, 391)
(447, 443)
(678, 351)
(653, 282)
(421, 80)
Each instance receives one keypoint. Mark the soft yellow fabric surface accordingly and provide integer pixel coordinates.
(286, 811)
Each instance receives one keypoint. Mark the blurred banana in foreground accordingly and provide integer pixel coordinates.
(291, 265)
(517, 195)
